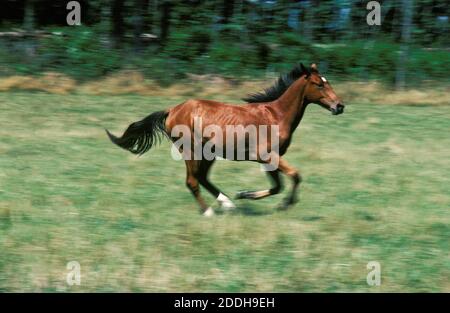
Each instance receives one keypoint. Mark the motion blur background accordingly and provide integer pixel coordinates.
(375, 178)
(239, 39)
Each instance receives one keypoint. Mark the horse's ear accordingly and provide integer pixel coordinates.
(314, 68)
(305, 70)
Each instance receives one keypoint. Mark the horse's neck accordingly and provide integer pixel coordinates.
(291, 105)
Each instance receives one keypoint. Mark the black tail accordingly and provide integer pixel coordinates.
(142, 135)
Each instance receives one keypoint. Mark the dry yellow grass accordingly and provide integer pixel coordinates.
(214, 86)
(50, 82)
(375, 92)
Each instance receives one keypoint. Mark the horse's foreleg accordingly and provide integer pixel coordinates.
(296, 179)
(256, 195)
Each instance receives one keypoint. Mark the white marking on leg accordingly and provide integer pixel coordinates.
(225, 202)
(209, 212)
(262, 193)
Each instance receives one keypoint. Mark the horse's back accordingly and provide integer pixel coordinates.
(216, 112)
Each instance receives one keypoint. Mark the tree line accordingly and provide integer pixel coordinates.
(259, 34)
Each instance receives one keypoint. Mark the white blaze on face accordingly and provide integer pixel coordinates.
(324, 79)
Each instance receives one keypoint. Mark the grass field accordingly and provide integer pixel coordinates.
(376, 188)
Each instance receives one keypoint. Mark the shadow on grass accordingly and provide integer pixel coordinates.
(312, 218)
(248, 209)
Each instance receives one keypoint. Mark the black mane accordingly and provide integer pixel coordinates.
(274, 92)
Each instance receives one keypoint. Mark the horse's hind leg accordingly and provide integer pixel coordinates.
(192, 182)
(224, 201)
(296, 179)
(256, 195)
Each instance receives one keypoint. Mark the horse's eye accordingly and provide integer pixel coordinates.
(320, 86)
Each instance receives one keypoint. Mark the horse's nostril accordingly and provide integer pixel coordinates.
(339, 109)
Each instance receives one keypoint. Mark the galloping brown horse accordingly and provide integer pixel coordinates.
(282, 105)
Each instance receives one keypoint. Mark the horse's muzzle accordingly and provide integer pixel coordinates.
(339, 109)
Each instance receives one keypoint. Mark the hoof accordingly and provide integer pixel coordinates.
(286, 204)
(227, 206)
(209, 212)
(282, 207)
(225, 203)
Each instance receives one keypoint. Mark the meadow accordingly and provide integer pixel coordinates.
(376, 188)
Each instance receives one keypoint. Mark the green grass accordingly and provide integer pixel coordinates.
(376, 188)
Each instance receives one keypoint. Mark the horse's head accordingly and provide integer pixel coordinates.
(319, 91)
